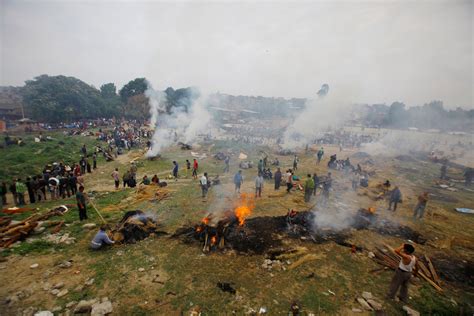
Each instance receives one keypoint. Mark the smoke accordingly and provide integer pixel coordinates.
(323, 91)
(336, 219)
(322, 114)
(176, 123)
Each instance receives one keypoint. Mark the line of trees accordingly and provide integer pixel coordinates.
(431, 115)
(63, 99)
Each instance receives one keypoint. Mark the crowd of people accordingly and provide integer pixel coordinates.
(56, 181)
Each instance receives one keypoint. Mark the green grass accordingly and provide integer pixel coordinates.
(30, 159)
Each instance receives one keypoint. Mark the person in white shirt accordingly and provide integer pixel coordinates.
(403, 274)
(258, 185)
(204, 186)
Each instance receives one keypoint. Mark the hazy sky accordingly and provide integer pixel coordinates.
(367, 51)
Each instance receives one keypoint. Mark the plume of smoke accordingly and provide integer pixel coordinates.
(178, 124)
(318, 116)
(200, 120)
(323, 91)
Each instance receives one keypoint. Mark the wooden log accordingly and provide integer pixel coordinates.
(58, 227)
(436, 286)
(433, 271)
(423, 268)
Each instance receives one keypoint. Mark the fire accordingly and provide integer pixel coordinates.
(213, 240)
(244, 209)
(205, 220)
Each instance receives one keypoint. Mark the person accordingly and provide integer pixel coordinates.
(468, 176)
(115, 175)
(204, 184)
(403, 274)
(88, 166)
(316, 183)
(320, 154)
(145, 180)
(238, 179)
(195, 168)
(94, 161)
(395, 198)
(81, 203)
(39, 185)
(419, 210)
(175, 170)
(101, 239)
(386, 186)
(277, 179)
(20, 192)
(226, 161)
(126, 178)
(155, 180)
(84, 150)
(3, 195)
(327, 184)
(188, 167)
(295, 163)
(83, 165)
(308, 188)
(54, 187)
(30, 187)
(12, 189)
(289, 180)
(260, 166)
(77, 170)
(258, 185)
(72, 182)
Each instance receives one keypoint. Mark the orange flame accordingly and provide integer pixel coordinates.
(244, 209)
(205, 220)
(213, 240)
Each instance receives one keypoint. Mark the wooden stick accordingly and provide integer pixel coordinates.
(432, 270)
(100, 215)
(423, 268)
(436, 286)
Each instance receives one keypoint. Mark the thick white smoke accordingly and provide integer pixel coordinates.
(318, 116)
(178, 125)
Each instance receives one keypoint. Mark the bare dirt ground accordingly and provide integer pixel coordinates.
(162, 275)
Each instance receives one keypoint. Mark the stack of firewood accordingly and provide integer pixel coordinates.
(425, 268)
(11, 231)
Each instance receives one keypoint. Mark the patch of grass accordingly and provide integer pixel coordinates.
(37, 246)
(30, 159)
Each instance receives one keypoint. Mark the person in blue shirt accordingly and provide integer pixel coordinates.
(101, 239)
(238, 179)
(175, 170)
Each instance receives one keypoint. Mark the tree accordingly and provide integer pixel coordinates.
(61, 98)
(134, 87)
(108, 90)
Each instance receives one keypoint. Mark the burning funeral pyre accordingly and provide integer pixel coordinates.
(260, 235)
(134, 226)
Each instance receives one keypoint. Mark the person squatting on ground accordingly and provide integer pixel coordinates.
(403, 273)
(101, 239)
